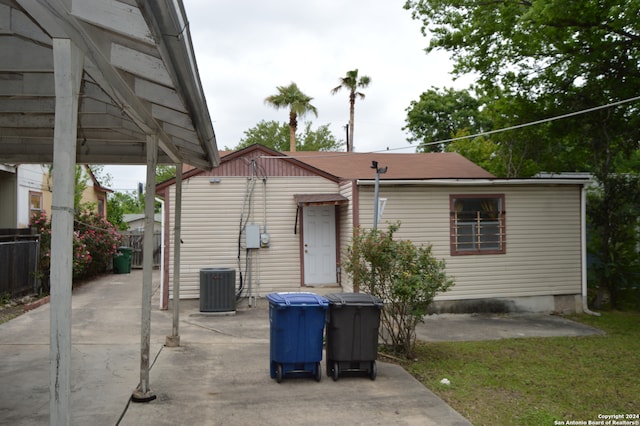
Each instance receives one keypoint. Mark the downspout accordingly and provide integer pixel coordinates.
(162, 284)
(583, 249)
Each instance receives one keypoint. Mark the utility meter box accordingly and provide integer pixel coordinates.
(265, 240)
(252, 236)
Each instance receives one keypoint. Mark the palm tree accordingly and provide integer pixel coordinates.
(352, 83)
(298, 103)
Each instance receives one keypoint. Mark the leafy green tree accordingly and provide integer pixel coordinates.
(406, 277)
(616, 269)
(480, 150)
(116, 211)
(103, 177)
(320, 139)
(440, 114)
(352, 82)
(276, 136)
(129, 200)
(547, 58)
(121, 203)
(271, 134)
(540, 59)
(165, 172)
(80, 186)
(291, 97)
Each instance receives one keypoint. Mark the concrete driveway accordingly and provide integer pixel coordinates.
(220, 373)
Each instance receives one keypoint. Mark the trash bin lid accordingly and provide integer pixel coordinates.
(354, 299)
(297, 299)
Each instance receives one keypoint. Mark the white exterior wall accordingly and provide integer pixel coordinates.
(8, 197)
(210, 228)
(542, 246)
(30, 178)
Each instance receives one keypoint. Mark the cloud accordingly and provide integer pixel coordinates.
(245, 48)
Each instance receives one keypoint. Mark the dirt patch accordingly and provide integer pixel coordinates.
(8, 312)
(17, 307)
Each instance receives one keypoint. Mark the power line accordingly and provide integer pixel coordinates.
(490, 132)
(532, 123)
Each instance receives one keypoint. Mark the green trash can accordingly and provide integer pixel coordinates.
(122, 260)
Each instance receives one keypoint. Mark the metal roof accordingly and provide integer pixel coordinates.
(140, 78)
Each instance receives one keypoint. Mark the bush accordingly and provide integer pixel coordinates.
(406, 277)
(95, 240)
(101, 240)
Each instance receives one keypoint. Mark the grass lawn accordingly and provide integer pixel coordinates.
(540, 381)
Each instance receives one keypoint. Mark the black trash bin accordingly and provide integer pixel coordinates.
(352, 334)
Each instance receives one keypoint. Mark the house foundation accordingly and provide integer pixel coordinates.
(558, 304)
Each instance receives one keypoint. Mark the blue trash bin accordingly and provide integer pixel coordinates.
(296, 334)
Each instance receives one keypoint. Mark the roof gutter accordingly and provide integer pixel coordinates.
(474, 182)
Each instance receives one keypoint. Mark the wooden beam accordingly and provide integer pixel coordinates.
(114, 16)
(68, 64)
(143, 392)
(140, 64)
(174, 339)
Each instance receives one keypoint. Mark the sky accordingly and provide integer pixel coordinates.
(245, 48)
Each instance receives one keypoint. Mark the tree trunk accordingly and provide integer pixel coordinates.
(352, 107)
(293, 125)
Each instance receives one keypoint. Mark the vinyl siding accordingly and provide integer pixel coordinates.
(543, 245)
(210, 228)
(346, 231)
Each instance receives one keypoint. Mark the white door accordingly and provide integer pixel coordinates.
(319, 245)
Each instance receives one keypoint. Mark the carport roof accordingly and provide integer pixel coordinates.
(140, 78)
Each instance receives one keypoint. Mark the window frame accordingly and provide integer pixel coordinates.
(454, 227)
(33, 210)
(101, 206)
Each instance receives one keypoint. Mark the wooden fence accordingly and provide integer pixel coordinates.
(18, 262)
(134, 239)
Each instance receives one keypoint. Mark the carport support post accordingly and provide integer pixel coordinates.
(143, 392)
(174, 340)
(68, 63)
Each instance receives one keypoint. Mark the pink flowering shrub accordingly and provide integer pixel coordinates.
(41, 225)
(95, 240)
(101, 240)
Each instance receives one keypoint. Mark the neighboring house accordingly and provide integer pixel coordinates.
(136, 221)
(284, 220)
(94, 193)
(25, 189)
